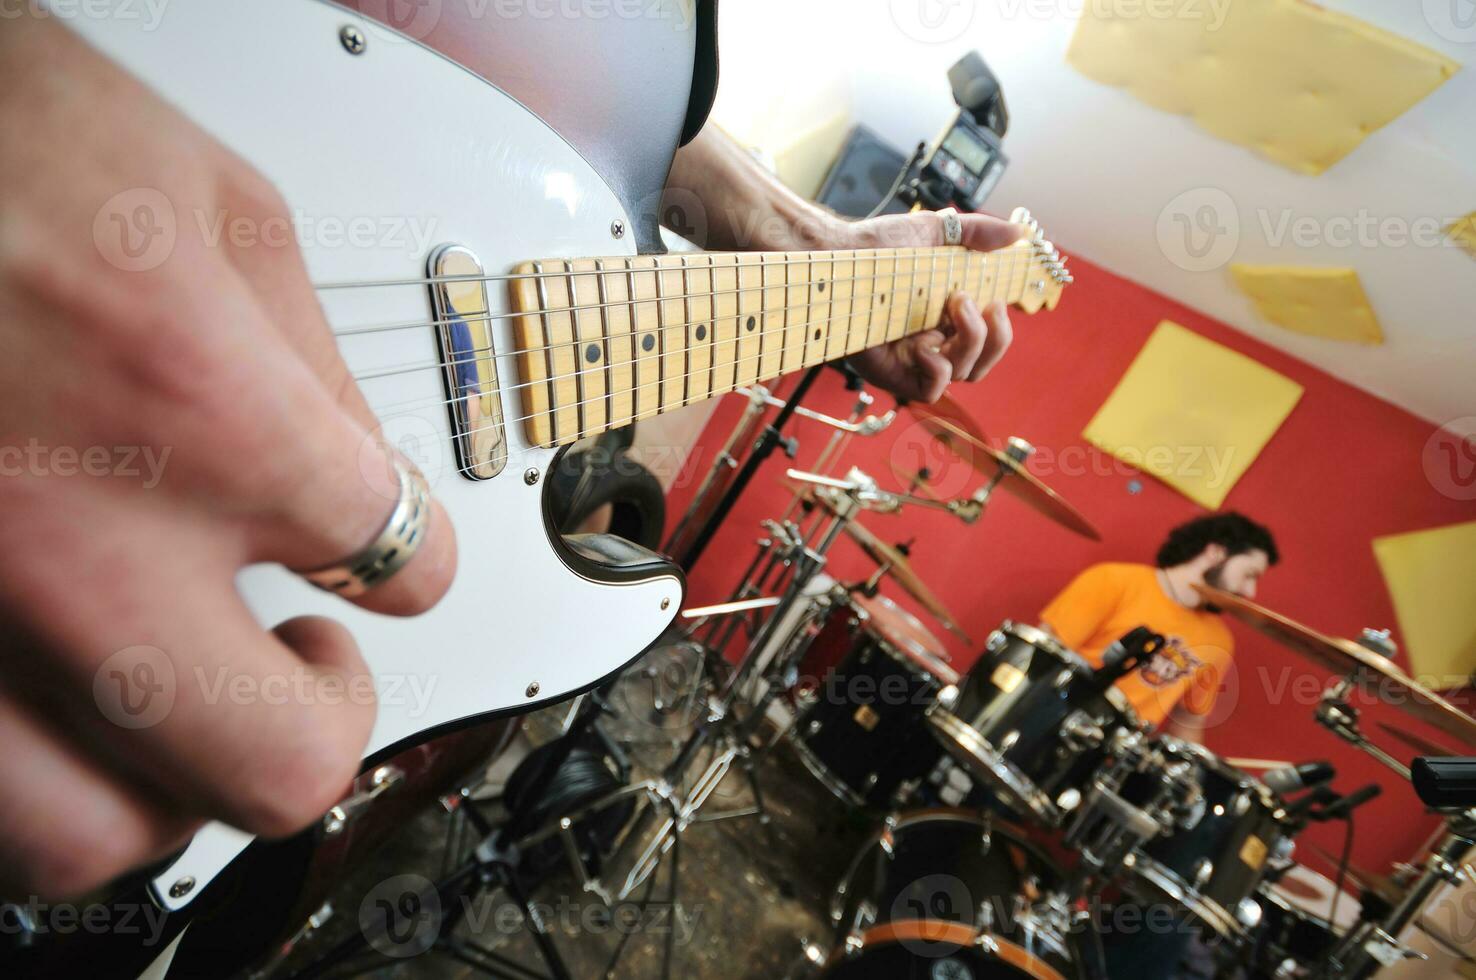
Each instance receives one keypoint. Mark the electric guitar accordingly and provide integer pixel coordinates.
(495, 311)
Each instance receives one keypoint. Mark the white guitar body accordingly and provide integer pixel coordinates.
(425, 153)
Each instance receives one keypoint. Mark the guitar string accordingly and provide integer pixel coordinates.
(477, 353)
(635, 391)
(658, 360)
(1013, 259)
(585, 370)
(920, 251)
(739, 288)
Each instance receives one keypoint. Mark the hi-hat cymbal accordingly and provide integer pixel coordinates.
(1342, 656)
(1380, 884)
(955, 430)
(901, 570)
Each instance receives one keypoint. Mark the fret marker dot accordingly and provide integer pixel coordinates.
(648, 342)
(822, 287)
(701, 332)
(750, 324)
(882, 298)
(592, 353)
(817, 334)
(919, 292)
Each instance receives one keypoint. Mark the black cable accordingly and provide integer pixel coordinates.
(1347, 859)
(917, 154)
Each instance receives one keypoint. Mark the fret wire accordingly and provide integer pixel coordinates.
(687, 317)
(548, 352)
(581, 417)
(476, 352)
(607, 344)
(553, 378)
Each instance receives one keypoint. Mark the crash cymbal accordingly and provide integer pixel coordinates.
(1017, 481)
(948, 422)
(1419, 743)
(1343, 656)
(902, 572)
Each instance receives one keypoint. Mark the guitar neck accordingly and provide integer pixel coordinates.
(605, 342)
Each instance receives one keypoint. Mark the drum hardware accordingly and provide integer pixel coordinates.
(1004, 722)
(1372, 945)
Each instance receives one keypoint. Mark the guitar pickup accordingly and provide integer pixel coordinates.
(464, 320)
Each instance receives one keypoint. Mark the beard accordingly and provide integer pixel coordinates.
(1214, 576)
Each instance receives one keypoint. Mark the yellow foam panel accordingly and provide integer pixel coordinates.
(1429, 575)
(1301, 85)
(1315, 301)
(1193, 413)
(1463, 233)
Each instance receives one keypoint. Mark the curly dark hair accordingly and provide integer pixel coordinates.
(1236, 533)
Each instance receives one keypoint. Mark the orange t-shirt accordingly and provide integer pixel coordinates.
(1111, 599)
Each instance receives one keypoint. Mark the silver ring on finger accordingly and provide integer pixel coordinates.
(390, 551)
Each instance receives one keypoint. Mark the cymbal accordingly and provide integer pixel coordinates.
(948, 422)
(1380, 884)
(1342, 656)
(1419, 743)
(901, 570)
(1019, 482)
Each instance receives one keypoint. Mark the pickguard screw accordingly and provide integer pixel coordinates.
(182, 887)
(530, 476)
(617, 228)
(354, 41)
(533, 689)
(665, 604)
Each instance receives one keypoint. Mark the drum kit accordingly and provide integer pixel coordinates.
(1073, 798)
(1060, 757)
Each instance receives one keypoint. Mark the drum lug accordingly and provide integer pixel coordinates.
(1081, 732)
(996, 642)
(1203, 873)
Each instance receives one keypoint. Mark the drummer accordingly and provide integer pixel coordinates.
(1178, 688)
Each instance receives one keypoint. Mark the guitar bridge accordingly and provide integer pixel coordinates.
(464, 318)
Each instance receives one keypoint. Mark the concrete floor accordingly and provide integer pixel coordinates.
(746, 898)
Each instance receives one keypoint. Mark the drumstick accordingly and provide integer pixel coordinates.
(1259, 764)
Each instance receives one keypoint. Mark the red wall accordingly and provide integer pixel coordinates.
(1343, 469)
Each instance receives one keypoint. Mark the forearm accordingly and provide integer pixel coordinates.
(746, 207)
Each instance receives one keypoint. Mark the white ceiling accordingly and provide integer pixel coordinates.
(1100, 169)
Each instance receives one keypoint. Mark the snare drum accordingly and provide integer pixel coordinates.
(1030, 720)
(866, 679)
(1211, 859)
(946, 894)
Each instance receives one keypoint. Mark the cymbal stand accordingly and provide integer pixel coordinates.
(972, 508)
(1372, 945)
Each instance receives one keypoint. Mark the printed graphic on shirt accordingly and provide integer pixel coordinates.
(1171, 664)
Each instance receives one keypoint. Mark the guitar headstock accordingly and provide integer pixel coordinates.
(1046, 275)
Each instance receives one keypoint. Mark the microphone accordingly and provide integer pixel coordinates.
(1289, 779)
(1130, 650)
(1349, 803)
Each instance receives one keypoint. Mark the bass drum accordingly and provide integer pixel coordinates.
(864, 683)
(949, 894)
